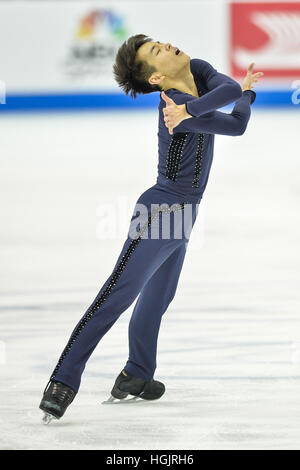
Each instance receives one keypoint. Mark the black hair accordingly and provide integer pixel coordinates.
(132, 75)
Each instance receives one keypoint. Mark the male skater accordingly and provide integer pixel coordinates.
(149, 266)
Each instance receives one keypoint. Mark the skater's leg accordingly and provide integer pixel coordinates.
(145, 321)
(137, 262)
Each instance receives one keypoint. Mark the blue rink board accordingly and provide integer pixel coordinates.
(110, 101)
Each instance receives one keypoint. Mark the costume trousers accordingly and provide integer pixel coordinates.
(148, 267)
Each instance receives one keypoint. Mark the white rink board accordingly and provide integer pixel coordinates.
(37, 56)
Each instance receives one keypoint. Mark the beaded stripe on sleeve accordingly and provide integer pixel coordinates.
(198, 162)
(175, 154)
(112, 282)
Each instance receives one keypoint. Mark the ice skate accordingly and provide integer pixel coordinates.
(57, 397)
(127, 384)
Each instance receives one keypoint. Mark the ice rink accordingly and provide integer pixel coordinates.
(229, 344)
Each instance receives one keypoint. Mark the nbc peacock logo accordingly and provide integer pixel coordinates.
(96, 38)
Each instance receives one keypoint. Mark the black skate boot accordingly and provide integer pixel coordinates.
(57, 397)
(126, 384)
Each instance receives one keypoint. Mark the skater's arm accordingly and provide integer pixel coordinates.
(176, 116)
(216, 122)
(222, 90)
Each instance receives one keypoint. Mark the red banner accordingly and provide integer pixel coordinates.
(267, 34)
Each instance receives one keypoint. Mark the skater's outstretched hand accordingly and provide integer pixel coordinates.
(250, 78)
(173, 113)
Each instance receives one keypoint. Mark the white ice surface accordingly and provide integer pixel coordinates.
(228, 348)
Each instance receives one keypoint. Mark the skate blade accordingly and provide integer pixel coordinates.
(47, 418)
(116, 401)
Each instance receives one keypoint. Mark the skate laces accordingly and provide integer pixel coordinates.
(61, 394)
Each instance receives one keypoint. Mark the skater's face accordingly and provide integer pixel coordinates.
(164, 58)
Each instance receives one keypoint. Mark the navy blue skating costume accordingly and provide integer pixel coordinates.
(149, 265)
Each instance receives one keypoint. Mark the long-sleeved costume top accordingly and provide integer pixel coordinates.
(185, 157)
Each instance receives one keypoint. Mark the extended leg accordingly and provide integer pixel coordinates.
(137, 262)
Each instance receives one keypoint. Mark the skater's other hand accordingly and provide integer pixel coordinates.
(173, 113)
(251, 78)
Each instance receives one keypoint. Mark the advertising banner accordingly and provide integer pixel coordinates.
(267, 33)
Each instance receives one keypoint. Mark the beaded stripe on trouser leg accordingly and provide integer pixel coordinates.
(145, 321)
(198, 161)
(138, 260)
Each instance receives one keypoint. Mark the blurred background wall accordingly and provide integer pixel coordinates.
(59, 54)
